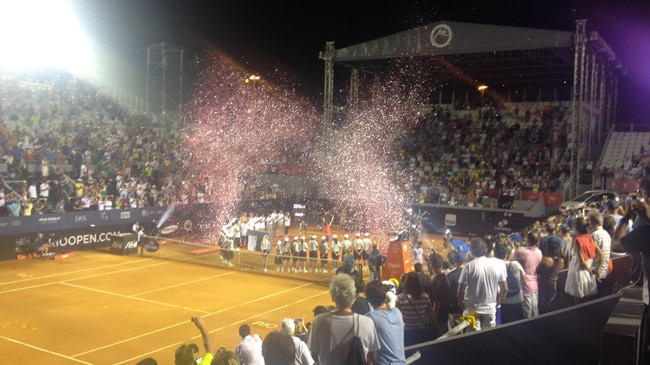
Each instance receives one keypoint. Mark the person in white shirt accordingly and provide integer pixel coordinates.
(303, 355)
(45, 189)
(249, 350)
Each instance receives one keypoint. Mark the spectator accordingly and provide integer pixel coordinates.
(331, 333)
(581, 277)
(604, 241)
(636, 241)
(360, 304)
(529, 258)
(225, 357)
(278, 348)
(550, 230)
(147, 361)
(455, 309)
(302, 354)
(565, 234)
(184, 354)
(249, 350)
(547, 274)
(439, 292)
(41, 247)
(416, 308)
(512, 305)
(482, 285)
(389, 325)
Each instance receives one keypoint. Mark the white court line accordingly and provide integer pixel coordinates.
(72, 272)
(81, 278)
(216, 330)
(131, 297)
(184, 283)
(44, 350)
(184, 323)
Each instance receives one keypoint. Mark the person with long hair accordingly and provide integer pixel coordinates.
(416, 308)
(582, 276)
(547, 274)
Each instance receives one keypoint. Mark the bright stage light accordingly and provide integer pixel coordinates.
(38, 34)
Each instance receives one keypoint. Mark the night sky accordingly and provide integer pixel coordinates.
(263, 35)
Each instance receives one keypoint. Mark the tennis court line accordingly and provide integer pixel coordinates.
(222, 327)
(81, 278)
(44, 350)
(186, 322)
(75, 272)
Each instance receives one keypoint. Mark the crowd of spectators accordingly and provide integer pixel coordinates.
(60, 131)
(458, 156)
(82, 151)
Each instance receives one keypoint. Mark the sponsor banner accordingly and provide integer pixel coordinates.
(470, 222)
(79, 220)
(124, 244)
(623, 186)
(530, 196)
(550, 200)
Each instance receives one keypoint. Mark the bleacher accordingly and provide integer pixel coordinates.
(623, 146)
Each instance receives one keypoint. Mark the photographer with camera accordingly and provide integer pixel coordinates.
(294, 327)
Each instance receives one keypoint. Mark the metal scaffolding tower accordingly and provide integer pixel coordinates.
(328, 57)
(164, 78)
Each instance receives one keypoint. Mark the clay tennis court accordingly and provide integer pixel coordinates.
(99, 308)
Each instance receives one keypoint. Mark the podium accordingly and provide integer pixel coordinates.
(124, 244)
(398, 260)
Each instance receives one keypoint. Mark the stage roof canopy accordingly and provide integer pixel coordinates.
(512, 57)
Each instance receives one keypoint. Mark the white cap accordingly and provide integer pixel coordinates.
(323, 238)
(302, 237)
(346, 236)
(358, 234)
(295, 238)
(367, 234)
(313, 236)
(334, 236)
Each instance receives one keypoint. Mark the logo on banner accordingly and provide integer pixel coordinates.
(169, 229)
(502, 223)
(81, 218)
(125, 215)
(450, 220)
(151, 245)
(441, 36)
(103, 216)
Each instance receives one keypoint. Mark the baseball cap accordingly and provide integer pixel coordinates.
(515, 237)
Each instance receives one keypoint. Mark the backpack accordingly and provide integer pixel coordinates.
(513, 283)
(356, 354)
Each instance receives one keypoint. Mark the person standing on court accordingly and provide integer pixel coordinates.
(287, 223)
